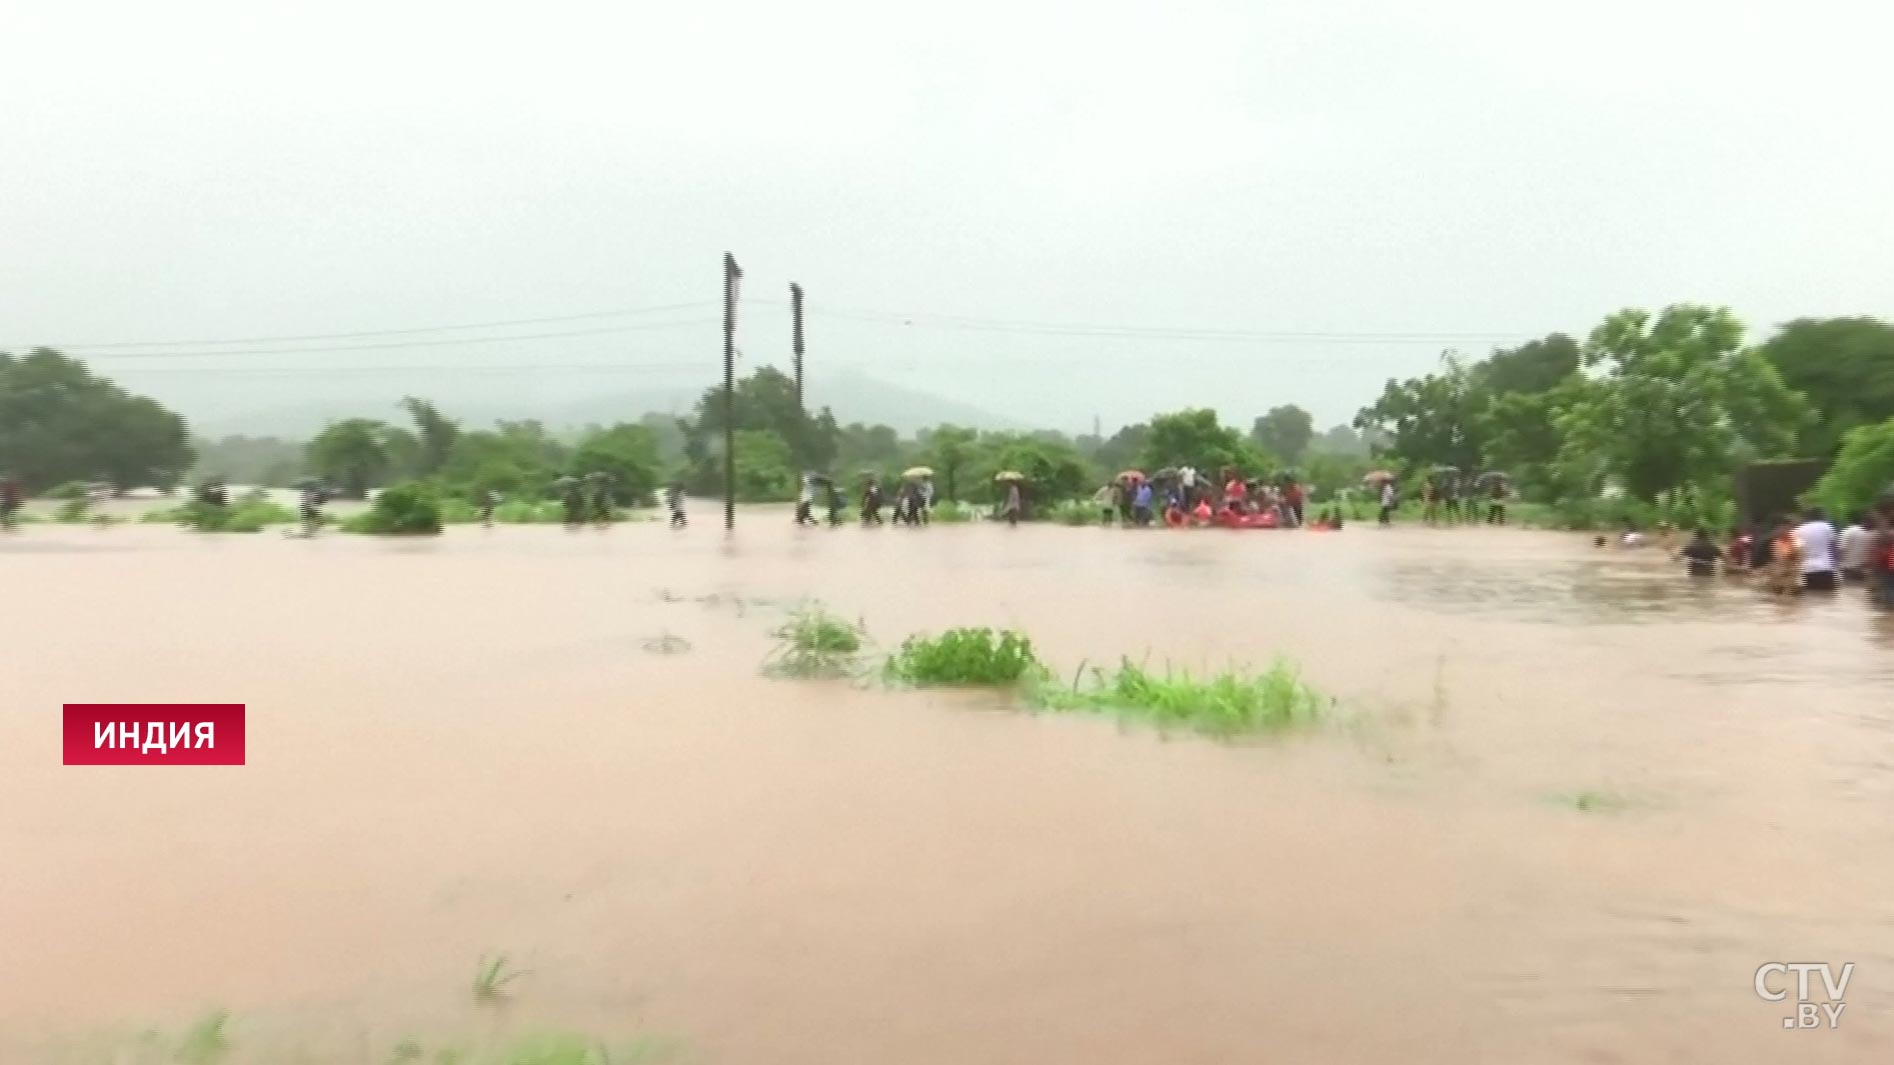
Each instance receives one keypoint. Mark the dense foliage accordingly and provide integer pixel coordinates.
(1864, 471)
(400, 510)
(59, 423)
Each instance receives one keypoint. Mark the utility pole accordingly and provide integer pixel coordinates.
(795, 319)
(731, 275)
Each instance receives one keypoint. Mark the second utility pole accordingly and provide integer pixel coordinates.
(731, 275)
(795, 319)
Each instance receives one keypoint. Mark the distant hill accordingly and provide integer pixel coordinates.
(853, 396)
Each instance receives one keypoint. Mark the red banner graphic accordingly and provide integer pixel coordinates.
(154, 734)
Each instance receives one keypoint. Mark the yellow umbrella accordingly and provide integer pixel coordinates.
(1009, 475)
(918, 472)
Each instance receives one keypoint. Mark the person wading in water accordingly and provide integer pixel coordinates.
(571, 500)
(674, 500)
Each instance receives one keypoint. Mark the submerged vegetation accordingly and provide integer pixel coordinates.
(248, 516)
(211, 1042)
(964, 657)
(1223, 704)
(493, 978)
(814, 643)
(401, 510)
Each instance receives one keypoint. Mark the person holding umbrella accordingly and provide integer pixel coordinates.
(1015, 497)
(871, 501)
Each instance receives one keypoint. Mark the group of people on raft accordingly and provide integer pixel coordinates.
(1183, 497)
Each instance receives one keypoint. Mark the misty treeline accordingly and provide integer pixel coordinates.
(1649, 404)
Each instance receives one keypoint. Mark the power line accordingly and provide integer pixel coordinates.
(524, 367)
(950, 321)
(389, 332)
(390, 346)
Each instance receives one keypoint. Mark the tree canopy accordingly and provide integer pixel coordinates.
(59, 423)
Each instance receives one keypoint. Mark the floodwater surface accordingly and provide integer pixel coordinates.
(1575, 802)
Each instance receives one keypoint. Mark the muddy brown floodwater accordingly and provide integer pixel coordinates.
(460, 746)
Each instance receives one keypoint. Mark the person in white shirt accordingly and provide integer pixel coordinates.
(1188, 478)
(1817, 540)
(1853, 548)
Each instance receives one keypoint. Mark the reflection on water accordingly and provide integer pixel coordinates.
(464, 745)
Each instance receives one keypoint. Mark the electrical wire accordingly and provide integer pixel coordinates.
(658, 309)
(450, 342)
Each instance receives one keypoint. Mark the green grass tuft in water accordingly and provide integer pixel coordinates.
(814, 643)
(1230, 703)
(493, 978)
(965, 657)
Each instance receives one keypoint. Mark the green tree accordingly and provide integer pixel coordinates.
(60, 423)
(1284, 432)
(1863, 472)
(1194, 437)
(1055, 470)
(1845, 366)
(1432, 420)
(1531, 368)
(1675, 400)
(766, 471)
(766, 400)
(435, 435)
(517, 459)
(629, 453)
(1123, 449)
(950, 449)
(352, 455)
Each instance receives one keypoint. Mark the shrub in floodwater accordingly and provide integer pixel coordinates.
(73, 511)
(951, 512)
(815, 643)
(248, 517)
(964, 657)
(399, 510)
(69, 491)
(1225, 704)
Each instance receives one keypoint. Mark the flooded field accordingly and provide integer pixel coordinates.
(1581, 801)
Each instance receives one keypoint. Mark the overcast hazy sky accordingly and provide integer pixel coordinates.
(191, 170)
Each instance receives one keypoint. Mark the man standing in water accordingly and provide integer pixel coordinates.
(1816, 539)
(1014, 501)
(571, 500)
(10, 496)
(598, 496)
(1387, 503)
(674, 501)
(836, 506)
(489, 499)
(871, 502)
(805, 501)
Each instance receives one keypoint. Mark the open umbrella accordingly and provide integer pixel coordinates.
(819, 478)
(1131, 476)
(1492, 475)
(915, 473)
(1165, 474)
(1378, 477)
(304, 484)
(1009, 475)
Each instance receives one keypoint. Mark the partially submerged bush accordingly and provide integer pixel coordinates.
(952, 512)
(816, 643)
(1226, 704)
(399, 510)
(965, 657)
(248, 517)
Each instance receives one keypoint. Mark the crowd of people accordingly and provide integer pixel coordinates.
(1790, 555)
